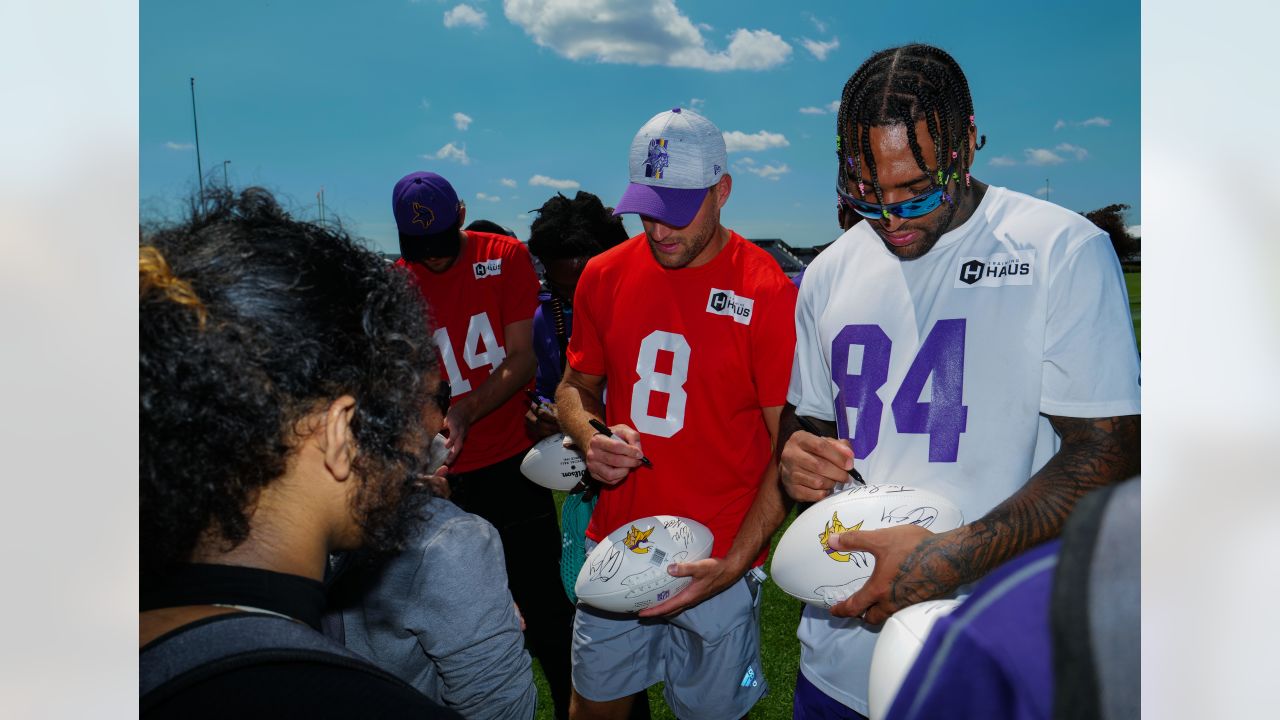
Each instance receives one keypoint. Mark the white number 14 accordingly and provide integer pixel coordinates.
(479, 330)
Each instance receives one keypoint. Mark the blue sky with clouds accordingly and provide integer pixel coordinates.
(513, 100)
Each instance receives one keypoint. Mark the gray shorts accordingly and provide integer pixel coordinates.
(708, 656)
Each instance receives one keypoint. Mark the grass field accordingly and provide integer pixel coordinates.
(1133, 283)
(780, 613)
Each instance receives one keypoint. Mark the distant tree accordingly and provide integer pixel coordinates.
(1110, 220)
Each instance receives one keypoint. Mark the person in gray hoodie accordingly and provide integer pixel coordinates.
(440, 617)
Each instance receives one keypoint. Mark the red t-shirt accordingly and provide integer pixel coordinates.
(691, 357)
(491, 285)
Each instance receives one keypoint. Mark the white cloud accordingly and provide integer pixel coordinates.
(831, 107)
(179, 146)
(736, 141)
(466, 15)
(820, 49)
(508, 182)
(554, 184)
(488, 197)
(696, 103)
(770, 172)
(1042, 192)
(820, 25)
(426, 104)
(1041, 156)
(451, 152)
(1095, 121)
(1079, 152)
(639, 33)
(461, 120)
(1002, 161)
(745, 161)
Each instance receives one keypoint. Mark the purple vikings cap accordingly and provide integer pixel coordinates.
(675, 157)
(424, 204)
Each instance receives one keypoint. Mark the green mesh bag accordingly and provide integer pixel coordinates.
(574, 516)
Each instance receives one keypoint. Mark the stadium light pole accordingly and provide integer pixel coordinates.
(196, 126)
(225, 182)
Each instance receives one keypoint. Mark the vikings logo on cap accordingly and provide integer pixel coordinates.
(657, 160)
(835, 528)
(423, 215)
(635, 538)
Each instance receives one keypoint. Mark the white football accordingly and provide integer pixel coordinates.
(900, 642)
(436, 454)
(628, 571)
(554, 463)
(805, 567)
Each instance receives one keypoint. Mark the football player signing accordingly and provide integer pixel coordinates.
(692, 328)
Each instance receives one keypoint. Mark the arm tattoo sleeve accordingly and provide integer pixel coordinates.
(1094, 452)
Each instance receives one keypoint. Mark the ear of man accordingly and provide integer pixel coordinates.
(337, 442)
(723, 188)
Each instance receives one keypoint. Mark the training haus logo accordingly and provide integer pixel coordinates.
(488, 268)
(997, 270)
(725, 302)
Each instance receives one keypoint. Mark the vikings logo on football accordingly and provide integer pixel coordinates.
(835, 528)
(635, 538)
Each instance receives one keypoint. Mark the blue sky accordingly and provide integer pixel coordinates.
(514, 100)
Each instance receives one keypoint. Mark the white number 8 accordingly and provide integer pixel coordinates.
(653, 381)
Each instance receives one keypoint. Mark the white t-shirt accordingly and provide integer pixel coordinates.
(938, 369)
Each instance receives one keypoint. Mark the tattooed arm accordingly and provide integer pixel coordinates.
(913, 564)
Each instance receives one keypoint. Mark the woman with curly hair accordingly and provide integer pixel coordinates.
(286, 385)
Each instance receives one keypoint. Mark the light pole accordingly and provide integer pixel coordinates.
(196, 126)
(225, 182)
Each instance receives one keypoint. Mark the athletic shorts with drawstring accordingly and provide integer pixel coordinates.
(708, 656)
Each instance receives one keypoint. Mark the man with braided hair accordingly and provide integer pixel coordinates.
(965, 339)
(565, 235)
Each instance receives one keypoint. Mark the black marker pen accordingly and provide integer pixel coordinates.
(812, 429)
(605, 431)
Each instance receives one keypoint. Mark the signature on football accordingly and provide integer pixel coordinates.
(907, 515)
(680, 532)
(606, 566)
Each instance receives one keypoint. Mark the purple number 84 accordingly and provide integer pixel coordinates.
(943, 417)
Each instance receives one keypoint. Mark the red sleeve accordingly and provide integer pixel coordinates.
(773, 343)
(586, 351)
(520, 296)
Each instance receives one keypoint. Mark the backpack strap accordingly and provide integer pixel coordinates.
(228, 642)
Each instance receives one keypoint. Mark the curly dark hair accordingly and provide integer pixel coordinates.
(249, 321)
(581, 227)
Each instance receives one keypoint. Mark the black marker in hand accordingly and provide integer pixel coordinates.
(605, 431)
(812, 429)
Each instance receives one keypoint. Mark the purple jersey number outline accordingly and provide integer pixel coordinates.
(943, 418)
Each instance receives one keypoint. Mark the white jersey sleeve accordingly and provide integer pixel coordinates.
(1090, 365)
(811, 388)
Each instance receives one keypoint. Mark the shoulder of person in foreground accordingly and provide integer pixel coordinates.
(464, 618)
